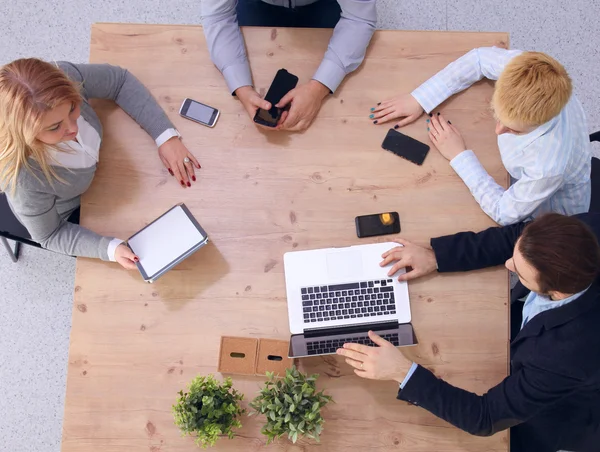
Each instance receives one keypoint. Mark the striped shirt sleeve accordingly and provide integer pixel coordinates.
(505, 206)
(483, 62)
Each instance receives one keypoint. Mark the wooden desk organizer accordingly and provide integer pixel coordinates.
(249, 356)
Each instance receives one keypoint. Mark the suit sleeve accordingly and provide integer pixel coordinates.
(516, 399)
(474, 250)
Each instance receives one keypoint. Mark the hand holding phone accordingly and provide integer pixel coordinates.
(282, 84)
(377, 224)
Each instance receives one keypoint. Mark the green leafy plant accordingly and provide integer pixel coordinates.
(291, 405)
(209, 410)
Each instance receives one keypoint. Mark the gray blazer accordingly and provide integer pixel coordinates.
(43, 208)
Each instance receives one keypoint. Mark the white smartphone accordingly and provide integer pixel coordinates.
(199, 112)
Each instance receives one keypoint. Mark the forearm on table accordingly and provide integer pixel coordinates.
(463, 409)
(75, 240)
(488, 62)
(484, 188)
(225, 42)
(137, 101)
(104, 81)
(466, 251)
(348, 45)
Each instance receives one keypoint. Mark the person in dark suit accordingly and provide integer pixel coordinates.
(551, 400)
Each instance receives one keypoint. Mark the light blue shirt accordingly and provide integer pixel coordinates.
(344, 54)
(551, 164)
(535, 304)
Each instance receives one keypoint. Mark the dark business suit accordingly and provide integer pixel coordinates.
(552, 397)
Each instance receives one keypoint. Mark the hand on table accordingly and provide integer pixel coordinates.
(305, 104)
(403, 106)
(384, 362)
(445, 137)
(421, 261)
(252, 101)
(125, 257)
(172, 153)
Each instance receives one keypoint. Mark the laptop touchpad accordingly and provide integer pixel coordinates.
(344, 265)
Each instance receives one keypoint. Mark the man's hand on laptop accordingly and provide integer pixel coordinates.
(417, 260)
(385, 362)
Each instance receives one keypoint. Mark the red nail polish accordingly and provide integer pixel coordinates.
(136, 259)
(182, 184)
(194, 178)
(171, 172)
(189, 185)
(199, 166)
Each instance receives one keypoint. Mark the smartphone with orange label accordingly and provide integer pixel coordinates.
(377, 224)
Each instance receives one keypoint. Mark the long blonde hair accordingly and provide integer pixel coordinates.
(29, 88)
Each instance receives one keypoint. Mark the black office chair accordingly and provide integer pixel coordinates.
(11, 228)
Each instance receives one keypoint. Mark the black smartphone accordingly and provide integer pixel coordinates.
(406, 147)
(377, 224)
(283, 83)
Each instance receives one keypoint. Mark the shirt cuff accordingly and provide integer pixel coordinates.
(237, 75)
(166, 135)
(409, 374)
(466, 164)
(430, 94)
(330, 75)
(112, 247)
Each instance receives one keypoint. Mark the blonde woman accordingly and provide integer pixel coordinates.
(49, 142)
(541, 127)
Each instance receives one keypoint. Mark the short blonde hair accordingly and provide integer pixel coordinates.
(532, 89)
(29, 88)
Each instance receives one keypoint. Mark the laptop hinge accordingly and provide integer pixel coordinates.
(350, 329)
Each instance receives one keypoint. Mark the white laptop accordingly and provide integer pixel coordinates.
(336, 295)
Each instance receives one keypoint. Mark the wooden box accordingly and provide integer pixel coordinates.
(273, 357)
(238, 355)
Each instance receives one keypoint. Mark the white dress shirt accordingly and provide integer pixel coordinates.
(551, 164)
(83, 152)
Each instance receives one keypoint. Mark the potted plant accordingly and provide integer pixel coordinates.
(292, 405)
(208, 410)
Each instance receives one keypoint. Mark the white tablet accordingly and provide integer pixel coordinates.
(168, 240)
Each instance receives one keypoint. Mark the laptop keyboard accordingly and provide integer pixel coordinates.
(330, 346)
(348, 301)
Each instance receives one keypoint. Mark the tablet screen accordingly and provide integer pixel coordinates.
(165, 240)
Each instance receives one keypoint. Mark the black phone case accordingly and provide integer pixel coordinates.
(363, 234)
(406, 147)
(281, 85)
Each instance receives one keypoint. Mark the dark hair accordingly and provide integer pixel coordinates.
(563, 250)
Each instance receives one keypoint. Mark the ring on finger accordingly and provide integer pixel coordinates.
(186, 160)
(362, 365)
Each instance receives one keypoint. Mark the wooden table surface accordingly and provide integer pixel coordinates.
(260, 194)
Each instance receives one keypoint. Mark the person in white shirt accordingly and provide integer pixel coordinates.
(49, 147)
(541, 127)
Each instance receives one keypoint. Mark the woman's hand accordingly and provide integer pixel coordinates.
(403, 106)
(384, 362)
(417, 260)
(125, 257)
(173, 153)
(445, 137)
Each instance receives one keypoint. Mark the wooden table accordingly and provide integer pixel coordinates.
(259, 194)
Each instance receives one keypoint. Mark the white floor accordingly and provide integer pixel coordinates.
(36, 293)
